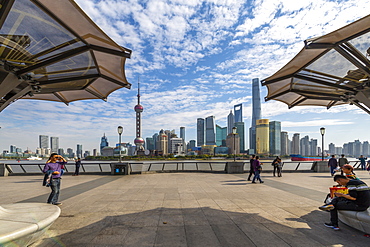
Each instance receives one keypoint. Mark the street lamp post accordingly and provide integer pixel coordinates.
(322, 132)
(120, 130)
(234, 133)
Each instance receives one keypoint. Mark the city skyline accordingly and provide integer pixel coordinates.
(227, 45)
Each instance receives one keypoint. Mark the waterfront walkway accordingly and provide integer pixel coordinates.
(187, 209)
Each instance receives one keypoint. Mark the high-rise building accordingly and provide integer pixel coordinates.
(61, 151)
(200, 132)
(221, 134)
(95, 152)
(284, 143)
(256, 113)
(155, 141)
(230, 122)
(274, 138)
(176, 145)
(331, 149)
(295, 144)
(233, 143)
(210, 131)
(13, 149)
(139, 141)
(238, 113)
(79, 151)
(365, 148)
(44, 141)
(345, 149)
(191, 144)
(103, 143)
(54, 144)
(162, 143)
(313, 144)
(70, 153)
(149, 143)
(262, 136)
(182, 133)
(241, 131)
(357, 148)
(305, 146)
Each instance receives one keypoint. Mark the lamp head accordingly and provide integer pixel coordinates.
(120, 130)
(322, 130)
(234, 130)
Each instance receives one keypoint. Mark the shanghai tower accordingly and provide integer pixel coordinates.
(256, 113)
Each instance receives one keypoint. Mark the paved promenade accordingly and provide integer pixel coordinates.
(187, 209)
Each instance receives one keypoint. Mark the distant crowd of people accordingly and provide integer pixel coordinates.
(256, 168)
(337, 165)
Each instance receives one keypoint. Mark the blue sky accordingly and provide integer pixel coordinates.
(194, 59)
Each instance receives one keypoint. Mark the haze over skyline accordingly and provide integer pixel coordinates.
(194, 59)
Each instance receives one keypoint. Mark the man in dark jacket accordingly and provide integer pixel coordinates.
(357, 199)
(251, 170)
(333, 164)
(77, 167)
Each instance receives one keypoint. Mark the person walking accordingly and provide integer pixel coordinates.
(257, 165)
(77, 167)
(363, 162)
(54, 164)
(333, 164)
(341, 162)
(251, 169)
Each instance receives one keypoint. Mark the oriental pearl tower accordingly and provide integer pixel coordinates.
(139, 141)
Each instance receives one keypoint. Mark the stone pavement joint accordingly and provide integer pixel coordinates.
(188, 209)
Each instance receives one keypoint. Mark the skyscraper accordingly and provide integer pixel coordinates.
(44, 141)
(305, 146)
(182, 133)
(295, 144)
(200, 132)
(221, 134)
(103, 143)
(284, 143)
(230, 122)
(149, 143)
(238, 112)
(262, 136)
(210, 131)
(274, 138)
(79, 151)
(256, 113)
(162, 143)
(139, 141)
(155, 141)
(54, 144)
(313, 145)
(240, 130)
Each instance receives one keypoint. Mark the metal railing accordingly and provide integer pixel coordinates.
(159, 166)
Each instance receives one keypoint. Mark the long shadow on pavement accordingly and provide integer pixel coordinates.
(195, 227)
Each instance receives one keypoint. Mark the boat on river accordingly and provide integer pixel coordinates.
(298, 157)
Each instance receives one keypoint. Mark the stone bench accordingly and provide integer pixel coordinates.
(22, 224)
(356, 219)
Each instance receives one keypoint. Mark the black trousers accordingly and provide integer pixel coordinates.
(251, 172)
(77, 170)
(341, 203)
